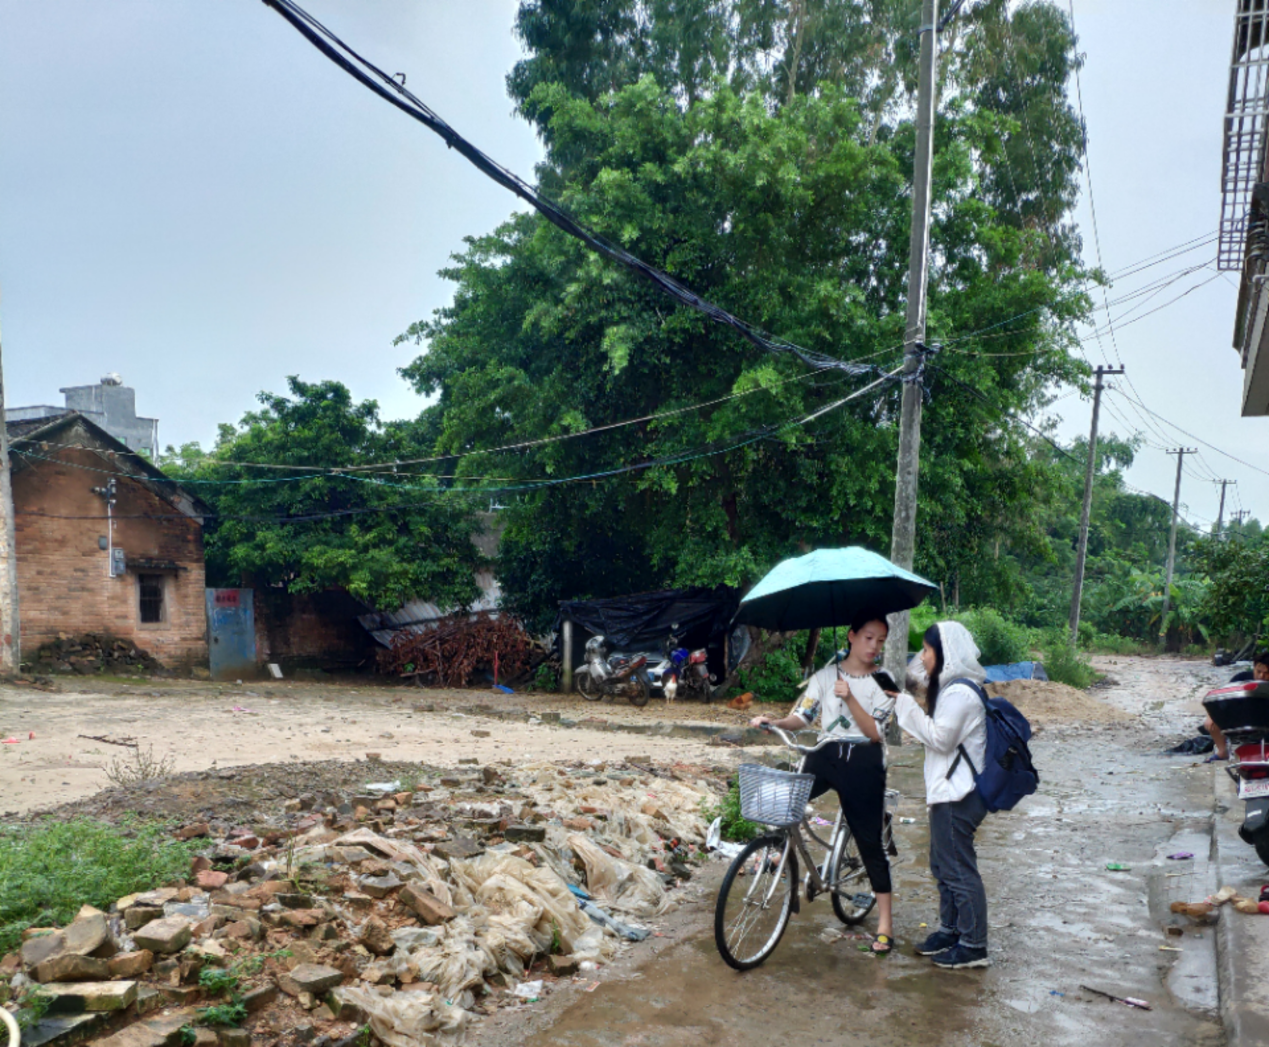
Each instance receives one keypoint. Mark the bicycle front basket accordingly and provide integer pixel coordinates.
(773, 797)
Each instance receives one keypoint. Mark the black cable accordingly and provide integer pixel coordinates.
(396, 94)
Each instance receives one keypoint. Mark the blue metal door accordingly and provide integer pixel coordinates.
(231, 633)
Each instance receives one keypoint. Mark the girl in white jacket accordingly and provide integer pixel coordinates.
(954, 726)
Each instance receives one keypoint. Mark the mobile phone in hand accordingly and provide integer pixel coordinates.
(885, 681)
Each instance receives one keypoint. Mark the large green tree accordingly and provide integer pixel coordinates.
(311, 516)
(760, 152)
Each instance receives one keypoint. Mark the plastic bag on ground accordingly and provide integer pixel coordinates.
(633, 934)
(617, 883)
(523, 901)
(459, 963)
(406, 1019)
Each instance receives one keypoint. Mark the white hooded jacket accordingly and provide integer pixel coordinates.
(958, 719)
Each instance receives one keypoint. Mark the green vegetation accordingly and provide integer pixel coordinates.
(49, 869)
(233, 1013)
(760, 152)
(734, 825)
(777, 676)
(217, 981)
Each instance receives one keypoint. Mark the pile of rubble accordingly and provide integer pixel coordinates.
(412, 907)
(92, 653)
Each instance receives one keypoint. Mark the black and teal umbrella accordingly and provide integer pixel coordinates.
(831, 587)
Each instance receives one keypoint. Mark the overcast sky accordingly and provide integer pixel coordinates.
(191, 196)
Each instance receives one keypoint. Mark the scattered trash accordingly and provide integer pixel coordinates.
(715, 842)
(1194, 910)
(1223, 895)
(578, 892)
(31, 736)
(1169, 948)
(528, 990)
(10, 741)
(1054, 992)
(502, 688)
(1180, 856)
(1129, 1001)
(241, 709)
(633, 934)
(275, 670)
(907, 821)
(1118, 867)
(817, 820)
(591, 987)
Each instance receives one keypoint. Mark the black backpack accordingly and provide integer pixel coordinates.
(1008, 773)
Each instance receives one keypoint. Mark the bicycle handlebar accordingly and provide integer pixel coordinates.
(791, 742)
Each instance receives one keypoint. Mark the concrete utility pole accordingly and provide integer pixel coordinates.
(9, 638)
(903, 538)
(1180, 453)
(1089, 471)
(1220, 515)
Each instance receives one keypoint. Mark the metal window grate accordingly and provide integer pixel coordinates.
(150, 588)
(1245, 121)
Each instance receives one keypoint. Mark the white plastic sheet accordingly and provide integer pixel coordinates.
(618, 884)
(407, 1019)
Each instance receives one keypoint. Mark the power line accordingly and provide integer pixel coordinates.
(1187, 433)
(396, 94)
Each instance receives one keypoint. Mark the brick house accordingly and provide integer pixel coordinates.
(137, 576)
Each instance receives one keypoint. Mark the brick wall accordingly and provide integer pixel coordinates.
(312, 629)
(63, 579)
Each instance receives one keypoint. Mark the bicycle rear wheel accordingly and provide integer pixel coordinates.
(852, 901)
(755, 901)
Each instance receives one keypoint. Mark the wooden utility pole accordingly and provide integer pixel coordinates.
(1220, 515)
(903, 538)
(1180, 453)
(1089, 471)
(9, 639)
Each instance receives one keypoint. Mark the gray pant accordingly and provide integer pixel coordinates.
(962, 899)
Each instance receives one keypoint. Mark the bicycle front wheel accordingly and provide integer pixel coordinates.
(848, 880)
(755, 901)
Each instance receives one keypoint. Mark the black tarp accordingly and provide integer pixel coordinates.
(642, 622)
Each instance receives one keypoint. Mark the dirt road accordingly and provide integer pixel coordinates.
(1059, 919)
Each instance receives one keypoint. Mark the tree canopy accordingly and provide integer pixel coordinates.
(382, 534)
(762, 157)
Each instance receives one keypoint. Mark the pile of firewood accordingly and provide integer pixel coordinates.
(451, 652)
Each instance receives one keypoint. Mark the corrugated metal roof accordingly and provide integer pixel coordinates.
(418, 616)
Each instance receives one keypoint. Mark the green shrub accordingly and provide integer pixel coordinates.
(1000, 641)
(734, 826)
(776, 677)
(1064, 663)
(545, 678)
(1112, 643)
(919, 620)
(48, 870)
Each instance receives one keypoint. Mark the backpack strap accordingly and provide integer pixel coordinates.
(961, 754)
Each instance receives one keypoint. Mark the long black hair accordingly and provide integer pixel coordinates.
(935, 640)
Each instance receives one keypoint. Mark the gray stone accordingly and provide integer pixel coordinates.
(79, 938)
(70, 967)
(77, 997)
(169, 935)
(380, 886)
(459, 847)
(525, 833)
(310, 977)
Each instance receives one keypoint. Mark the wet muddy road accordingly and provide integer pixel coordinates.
(1059, 920)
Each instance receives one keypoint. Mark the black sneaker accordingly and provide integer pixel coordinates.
(937, 943)
(962, 956)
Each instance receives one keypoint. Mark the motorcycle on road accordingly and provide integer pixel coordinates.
(622, 675)
(1241, 711)
(682, 671)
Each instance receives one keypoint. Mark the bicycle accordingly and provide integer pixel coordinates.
(749, 923)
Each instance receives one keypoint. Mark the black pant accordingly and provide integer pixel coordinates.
(856, 773)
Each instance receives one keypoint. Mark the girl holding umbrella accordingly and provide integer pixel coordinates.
(848, 702)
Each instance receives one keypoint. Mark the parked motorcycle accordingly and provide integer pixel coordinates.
(1241, 711)
(681, 670)
(623, 675)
